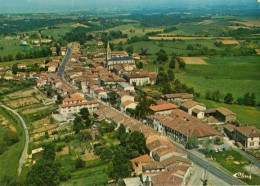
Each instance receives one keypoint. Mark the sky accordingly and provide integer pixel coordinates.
(59, 5)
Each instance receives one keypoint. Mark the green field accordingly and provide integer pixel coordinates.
(234, 162)
(93, 174)
(236, 75)
(10, 158)
(26, 61)
(12, 47)
(59, 32)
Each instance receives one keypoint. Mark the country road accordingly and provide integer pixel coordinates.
(24, 154)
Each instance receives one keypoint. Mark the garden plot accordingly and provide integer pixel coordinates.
(194, 60)
(22, 102)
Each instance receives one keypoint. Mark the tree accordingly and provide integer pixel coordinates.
(247, 99)
(1, 59)
(112, 97)
(192, 143)
(130, 49)
(78, 124)
(140, 65)
(216, 95)
(162, 56)
(19, 56)
(172, 63)
(162, 78)
(252, 99)
(79, 163)
(120, 166)
(121, 130)
(49, 152)
(143, 108)
(58, 49)
(15, 68)
(208, 94)
(171, 74)
(10, 57)
(43, 172)
(84, 113)
(228, 99)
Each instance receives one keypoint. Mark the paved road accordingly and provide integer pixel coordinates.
(64, 62)
(24, 154)
(202, 162)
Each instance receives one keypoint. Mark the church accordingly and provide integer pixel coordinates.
(110, 61)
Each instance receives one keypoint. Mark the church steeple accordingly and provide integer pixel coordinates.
(108, 53)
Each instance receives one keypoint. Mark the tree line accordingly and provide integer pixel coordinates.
(44, 52)
(247, 99)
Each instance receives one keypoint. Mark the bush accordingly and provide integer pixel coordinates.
(79, 163)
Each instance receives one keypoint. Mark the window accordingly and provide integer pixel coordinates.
(252, 144)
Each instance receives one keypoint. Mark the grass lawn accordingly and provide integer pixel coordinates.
(26, 61)
(12, 47)
(245, 114)
(94, 173)
(58, 32)
(234, 162)
(236, 75)
(10, 158)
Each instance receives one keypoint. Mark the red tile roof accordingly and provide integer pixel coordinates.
(163, 107)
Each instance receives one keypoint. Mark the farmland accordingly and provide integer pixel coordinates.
(224, 74)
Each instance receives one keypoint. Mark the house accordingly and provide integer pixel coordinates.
(229, 130)
(189, 105)
(52, 67)
(45, 41)
(109, 79)
(36, 41)
(22, 75)
(178, 98)
(140, 77)
(165, 108)
(248, 136)
(22, 66)
(198, 113)
(128, 105)
(100, 43)
(74, 108)
(125, 87)
(181, 126)
(139, 162)
(225, 115)
(53, 50)
(123, 96)
(153, 167)
(178, 175)
(63, 51)
(155, 143)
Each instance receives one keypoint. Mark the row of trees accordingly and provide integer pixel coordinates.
(247, 99)
(44, 52)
